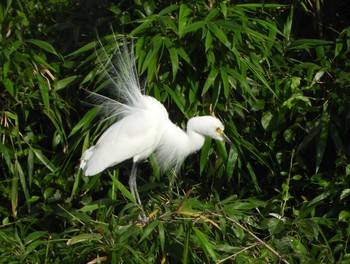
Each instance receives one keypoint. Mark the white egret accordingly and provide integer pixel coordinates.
(143, 127)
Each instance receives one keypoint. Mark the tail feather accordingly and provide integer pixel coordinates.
(119, 67)
(85, 161)
(121, 71)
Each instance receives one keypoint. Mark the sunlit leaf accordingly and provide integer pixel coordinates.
(84, 237)
(61, 84)
(43, 45)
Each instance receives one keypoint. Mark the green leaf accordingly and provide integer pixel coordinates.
(231, 161)
(345, 193)
(61, 84)
(243, 81)
(14, 195)
(212, 14)
(84, 237)
(119, 186)
(225, 82)
(83, 49)
(85, 121)
(183, 13)
(178, 99)
(322, 140)
(38, 153)
(186, 248)
(96, 205)
(43, 45)
(148, 230)
(219, 34)
(253, 177)
(184, 55)
(152, 57)
(48, 193)
(275, 225)
(210, 80)
(204, 155)
(34, 236)
(169, 9)
(174, 57)
(161, 235)
(269, 121)
(91, 207)
(309, 137)
(308, 43)
(9, 87)
(309, 228)
(208, 41)
(44, 91)
(295, 101)
(193, 27)
(259, 73)
(344, 216)
(22, 178)
(319, 198)
(146, 23)
(30, 166)
(205, 244)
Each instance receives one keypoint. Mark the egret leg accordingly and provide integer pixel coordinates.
(135, 193)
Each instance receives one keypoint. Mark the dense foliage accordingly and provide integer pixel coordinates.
(278, 75)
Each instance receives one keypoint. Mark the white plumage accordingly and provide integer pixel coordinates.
(143, 128)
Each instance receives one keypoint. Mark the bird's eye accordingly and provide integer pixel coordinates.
(219, 130)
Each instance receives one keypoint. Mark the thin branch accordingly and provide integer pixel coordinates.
(246, 230)
(235, 254)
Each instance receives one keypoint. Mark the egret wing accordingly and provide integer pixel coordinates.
(134, 136)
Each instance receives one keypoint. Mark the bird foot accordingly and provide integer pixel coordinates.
(143, 218)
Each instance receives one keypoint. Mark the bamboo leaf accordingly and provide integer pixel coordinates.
(84, 237)
(146, 23)
(253, 177)
(43, 45)
(38, 153)
(174, 58)
(210, 80)
(14, 195)
(205, 244)
(208, 41)
(119, 186)
(178, 99)
(225, 82)
(212, 14)
(85, 121)
(169, 9)
(9, 87)
(204, 155)
(231, 161)
(44, 91)
(193, 27)
(322, 141)
(63, 83)
(83, 49)
(148, 230)
(219, 34)
(184, 12)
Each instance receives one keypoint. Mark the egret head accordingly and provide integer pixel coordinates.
(208, 126)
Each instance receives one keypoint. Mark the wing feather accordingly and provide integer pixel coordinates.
(135, 136)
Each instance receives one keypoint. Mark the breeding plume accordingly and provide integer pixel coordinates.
(143, 127)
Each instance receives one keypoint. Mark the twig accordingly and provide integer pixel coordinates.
(235, 254)
(246, 230)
